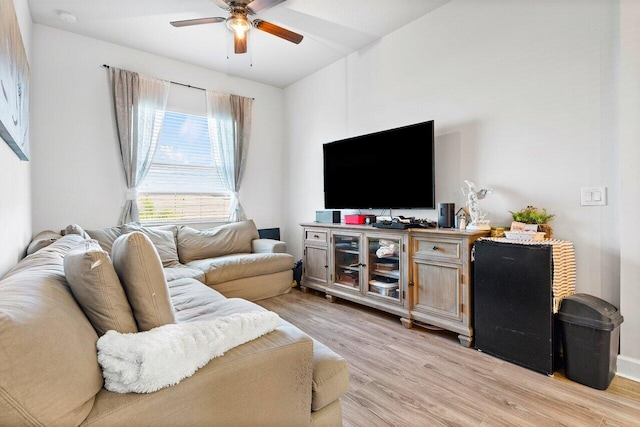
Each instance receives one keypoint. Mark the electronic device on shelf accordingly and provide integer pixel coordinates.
(402, 223)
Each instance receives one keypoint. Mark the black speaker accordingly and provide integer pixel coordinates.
(446, 215)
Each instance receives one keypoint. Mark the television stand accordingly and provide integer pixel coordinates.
(422, 275)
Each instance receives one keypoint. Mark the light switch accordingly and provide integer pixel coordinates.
(593, 196)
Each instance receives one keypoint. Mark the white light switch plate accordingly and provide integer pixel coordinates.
(593, 196)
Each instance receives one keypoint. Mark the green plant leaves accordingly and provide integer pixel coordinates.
(532, 215)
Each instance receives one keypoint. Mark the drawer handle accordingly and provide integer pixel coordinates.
(435, 248)
(315, 236)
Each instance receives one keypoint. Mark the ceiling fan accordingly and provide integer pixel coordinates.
(240, 24)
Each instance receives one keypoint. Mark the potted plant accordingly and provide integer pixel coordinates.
(533, 215)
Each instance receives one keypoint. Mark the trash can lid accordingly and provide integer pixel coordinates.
(590, 311)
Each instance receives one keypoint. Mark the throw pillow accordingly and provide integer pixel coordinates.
(223, 240)
(162, 237)
(105, 236)
(95, 285)
(140, 270)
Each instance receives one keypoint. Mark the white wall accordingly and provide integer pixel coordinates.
(629, 361)
(524, 97)
(77, 177)
(15, 180)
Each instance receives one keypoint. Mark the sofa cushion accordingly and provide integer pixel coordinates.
(263, 382)
(105, 236)
(257, 288)
(48, 363)
(181, 271)
(238, 266)
(195, 301)
(42, 240)
(95, 285)
(75, 229)
(330, 376)
(140, 270)
(162, 237)
(227, 239)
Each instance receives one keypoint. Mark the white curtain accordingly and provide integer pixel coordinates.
(140, 103)
(229, 119)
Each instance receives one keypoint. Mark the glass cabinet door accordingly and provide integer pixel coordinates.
(384, 267)
(346, 260)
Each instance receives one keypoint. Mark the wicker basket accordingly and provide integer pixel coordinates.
(546, 229)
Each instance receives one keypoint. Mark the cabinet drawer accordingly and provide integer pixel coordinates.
(437, 248)
(317, 236)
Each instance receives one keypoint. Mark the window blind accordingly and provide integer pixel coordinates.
(182, 184)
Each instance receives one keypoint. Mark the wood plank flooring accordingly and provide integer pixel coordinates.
(416, 377)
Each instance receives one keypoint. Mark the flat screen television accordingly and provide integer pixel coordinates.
(391, 169)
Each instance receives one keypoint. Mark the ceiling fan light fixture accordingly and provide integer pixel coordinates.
(239, 24)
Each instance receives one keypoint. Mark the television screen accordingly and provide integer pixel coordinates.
(391, 169)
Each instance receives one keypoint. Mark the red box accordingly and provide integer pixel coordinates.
(357, 219)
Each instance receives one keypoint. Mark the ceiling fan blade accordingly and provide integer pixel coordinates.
(221, 3)
(277, 31)
(198, 21)
(260, 5)
(240, 42)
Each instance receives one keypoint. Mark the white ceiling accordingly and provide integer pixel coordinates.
(332, 29)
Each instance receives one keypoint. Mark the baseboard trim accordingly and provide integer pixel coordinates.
(628, 367)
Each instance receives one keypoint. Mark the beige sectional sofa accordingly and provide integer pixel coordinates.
(230, 258)
(50, 374)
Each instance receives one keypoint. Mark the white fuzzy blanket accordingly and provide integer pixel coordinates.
(145, 362)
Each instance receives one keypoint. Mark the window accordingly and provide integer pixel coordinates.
(182, 184)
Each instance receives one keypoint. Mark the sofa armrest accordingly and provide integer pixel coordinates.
(268, 246)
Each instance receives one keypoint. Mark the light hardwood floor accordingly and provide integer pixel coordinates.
(416, 377)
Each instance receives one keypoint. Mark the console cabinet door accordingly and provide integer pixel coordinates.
(347, 261)
(384, 268)
(316, 265)
(437, 289)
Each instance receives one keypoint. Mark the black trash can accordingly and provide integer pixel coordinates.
(590, 336)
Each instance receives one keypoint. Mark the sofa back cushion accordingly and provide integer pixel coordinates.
(74, 229)
(95, 285)
(163, 238)
(42, 240)
(105, 236)
(140, 270)
(227, 239)
(49, 372)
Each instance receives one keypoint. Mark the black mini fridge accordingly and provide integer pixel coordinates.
(513, 304)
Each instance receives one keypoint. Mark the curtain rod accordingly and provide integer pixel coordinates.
(175, 83)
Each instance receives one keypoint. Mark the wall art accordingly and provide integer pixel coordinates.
(14, 83)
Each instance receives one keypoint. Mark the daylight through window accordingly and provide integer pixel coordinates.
(182, 184)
